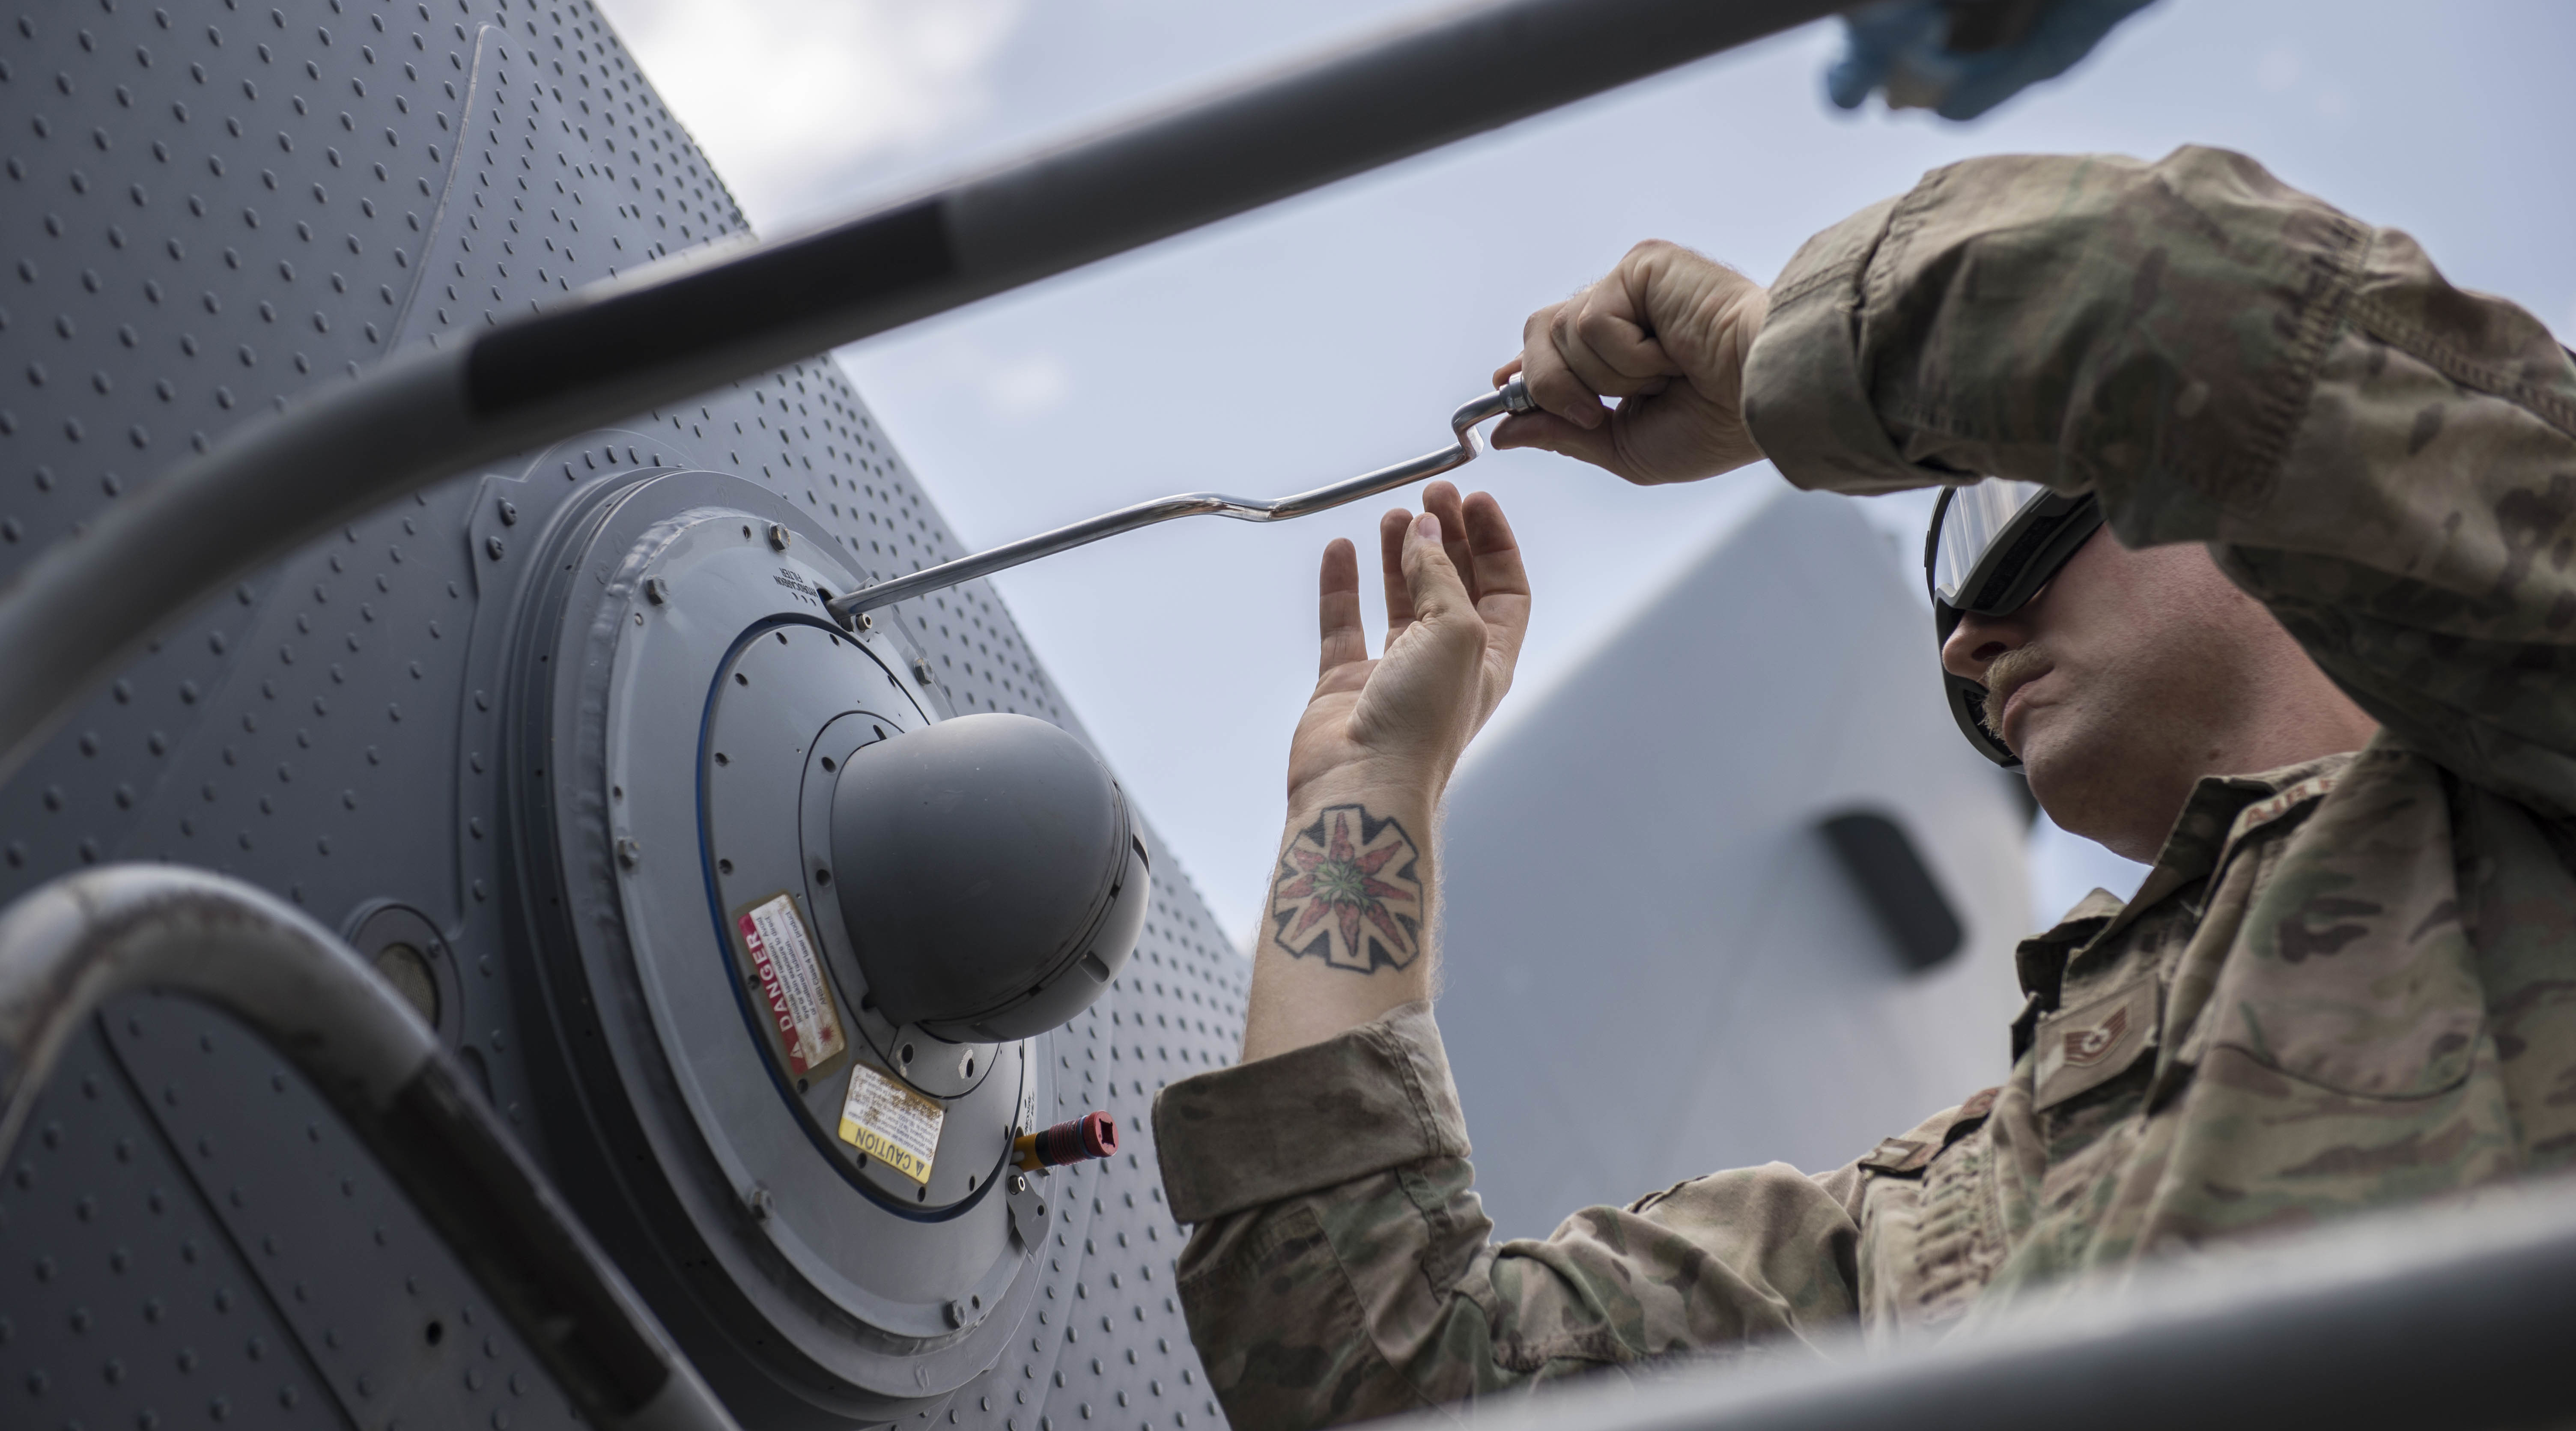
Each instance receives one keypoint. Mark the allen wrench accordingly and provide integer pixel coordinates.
(1466, 446)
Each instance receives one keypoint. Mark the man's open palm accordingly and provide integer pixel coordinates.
(1457, 606)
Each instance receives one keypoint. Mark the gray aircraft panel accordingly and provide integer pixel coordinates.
(210, 207)
(126, 1298)
(1654, 965)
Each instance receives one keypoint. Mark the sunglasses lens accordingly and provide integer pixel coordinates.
(1973, 523)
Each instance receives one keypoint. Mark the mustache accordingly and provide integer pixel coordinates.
(2012, 669)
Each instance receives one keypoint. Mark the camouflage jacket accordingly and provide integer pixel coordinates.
(2347, 983)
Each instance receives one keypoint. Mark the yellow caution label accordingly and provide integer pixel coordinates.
(891, 1123)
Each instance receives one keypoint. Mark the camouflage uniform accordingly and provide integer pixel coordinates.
(2346, 983)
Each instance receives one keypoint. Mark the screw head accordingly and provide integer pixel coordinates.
(1019, 1183)
(759, 1201)
(509, 513)
(629, 853)
(921, 670)
(778, 536)
(657, 591)
(956, 1314)
(867, 622)
(493, 548)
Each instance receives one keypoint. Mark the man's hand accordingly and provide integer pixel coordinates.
(1666, 333)
(1457, 605)
(1346, 934)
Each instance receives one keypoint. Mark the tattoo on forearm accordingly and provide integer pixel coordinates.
(1349, 892)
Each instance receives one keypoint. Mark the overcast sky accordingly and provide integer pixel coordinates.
(1333, 333)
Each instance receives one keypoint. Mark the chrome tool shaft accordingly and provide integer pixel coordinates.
(1466, 446)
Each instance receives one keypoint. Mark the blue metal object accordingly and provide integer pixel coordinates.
(1961, 58)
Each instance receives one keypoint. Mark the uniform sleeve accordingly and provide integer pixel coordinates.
(2387, 461)
(1341, 1267)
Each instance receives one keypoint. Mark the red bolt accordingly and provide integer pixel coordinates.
(1093, 1135)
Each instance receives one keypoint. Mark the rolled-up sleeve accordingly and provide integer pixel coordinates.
(1376, 1098)
(1342, 1268)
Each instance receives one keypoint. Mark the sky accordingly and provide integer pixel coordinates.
(1332, 333)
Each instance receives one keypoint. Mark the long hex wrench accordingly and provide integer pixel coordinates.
(1466, 446)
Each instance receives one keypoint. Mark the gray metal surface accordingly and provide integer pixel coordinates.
(341, 1270)
(128, 1298)
(71, 947)
(332, 730)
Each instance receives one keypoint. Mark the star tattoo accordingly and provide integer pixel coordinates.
(1348, 892)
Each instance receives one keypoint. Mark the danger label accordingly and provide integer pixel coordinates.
(799, 1003)
(891, 1123)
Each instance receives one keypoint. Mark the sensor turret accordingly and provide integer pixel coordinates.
(989, 873)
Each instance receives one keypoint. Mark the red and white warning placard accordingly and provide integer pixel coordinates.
(799, 1002)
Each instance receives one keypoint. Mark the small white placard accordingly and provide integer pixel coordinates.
(891, 1123)
(799, 1003)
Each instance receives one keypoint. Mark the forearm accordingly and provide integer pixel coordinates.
(2220, 359)
(1345, 933)
(2216, 355)
(1339, 1268)
(2148, 332)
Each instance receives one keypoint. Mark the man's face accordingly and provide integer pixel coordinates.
(2118, 685)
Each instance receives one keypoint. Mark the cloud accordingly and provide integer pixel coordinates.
(1027, 387)
(1009, 388)
(2280, 68)
(782, 94)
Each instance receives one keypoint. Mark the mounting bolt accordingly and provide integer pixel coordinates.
(629, 853)
(956, 1314)
(657, 591)
(492, 547)
(867, 622)
(921, 670)
(758, 1200)
(509, 513)
(1019, 1183)
(778, 536)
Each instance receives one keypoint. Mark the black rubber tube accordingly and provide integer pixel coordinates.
(774, 288)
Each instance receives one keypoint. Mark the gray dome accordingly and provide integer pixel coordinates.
(991, 878)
